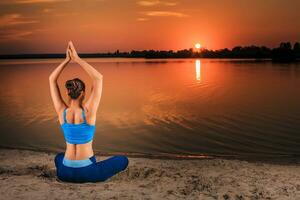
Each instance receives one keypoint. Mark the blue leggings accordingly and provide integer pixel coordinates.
(95, 172)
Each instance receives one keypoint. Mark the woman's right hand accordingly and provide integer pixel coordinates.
(74, 54)
(68, 55)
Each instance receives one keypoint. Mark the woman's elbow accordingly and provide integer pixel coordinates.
(99, 77)
(52, 78)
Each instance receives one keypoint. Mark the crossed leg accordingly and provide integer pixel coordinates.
(111, 166)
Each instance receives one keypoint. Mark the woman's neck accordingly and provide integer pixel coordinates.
(75, 104)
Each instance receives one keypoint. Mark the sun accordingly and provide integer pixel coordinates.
(198, 45)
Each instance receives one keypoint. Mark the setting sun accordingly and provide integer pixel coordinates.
(198, 45)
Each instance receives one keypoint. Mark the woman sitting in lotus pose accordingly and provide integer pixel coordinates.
(78, 163)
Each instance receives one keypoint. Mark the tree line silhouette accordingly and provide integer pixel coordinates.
(285, 53)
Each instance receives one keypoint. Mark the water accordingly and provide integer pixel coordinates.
(157, 107)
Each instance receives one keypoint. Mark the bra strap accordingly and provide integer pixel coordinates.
(83, 115)
(65, 114)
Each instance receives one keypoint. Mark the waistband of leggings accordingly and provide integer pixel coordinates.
(77, 163)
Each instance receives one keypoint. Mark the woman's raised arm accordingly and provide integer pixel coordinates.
(57, 99)
(93, 102)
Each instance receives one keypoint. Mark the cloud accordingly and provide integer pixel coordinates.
(39, 1)
(47, 10)
(66, 14)
(164, 14)
(142, 19)
(10, 29)
(9, 33)
(14, 19)
(155, 2)
(14, 34)
(30, 1)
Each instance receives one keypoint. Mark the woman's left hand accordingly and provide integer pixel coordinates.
(68, 54)
(73, 51)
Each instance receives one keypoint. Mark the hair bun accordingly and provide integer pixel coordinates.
(70, 84)
(75, 87)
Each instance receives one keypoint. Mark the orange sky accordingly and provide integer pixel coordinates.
(45, 26)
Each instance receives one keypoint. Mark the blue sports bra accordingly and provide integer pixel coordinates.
(78, 133)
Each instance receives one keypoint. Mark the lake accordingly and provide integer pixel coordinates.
(175, 107)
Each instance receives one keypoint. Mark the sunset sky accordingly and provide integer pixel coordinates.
(45, 26)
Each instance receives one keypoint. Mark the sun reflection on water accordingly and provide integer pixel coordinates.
(198, 70)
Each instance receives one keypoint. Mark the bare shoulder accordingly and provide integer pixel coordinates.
(85, 109)
(90, 115)
(89, 110)
(60, 114)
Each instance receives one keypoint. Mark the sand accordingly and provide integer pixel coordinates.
(31, 175)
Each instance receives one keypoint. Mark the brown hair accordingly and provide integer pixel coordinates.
(75, 87)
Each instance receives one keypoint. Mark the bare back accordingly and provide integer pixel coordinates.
(78, 151)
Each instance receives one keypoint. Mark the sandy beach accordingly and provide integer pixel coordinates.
(31, 175)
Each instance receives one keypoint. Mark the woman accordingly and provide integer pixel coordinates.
(78, 163)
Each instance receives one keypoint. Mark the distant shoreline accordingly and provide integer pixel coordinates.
(284, 53)
(62, 56)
